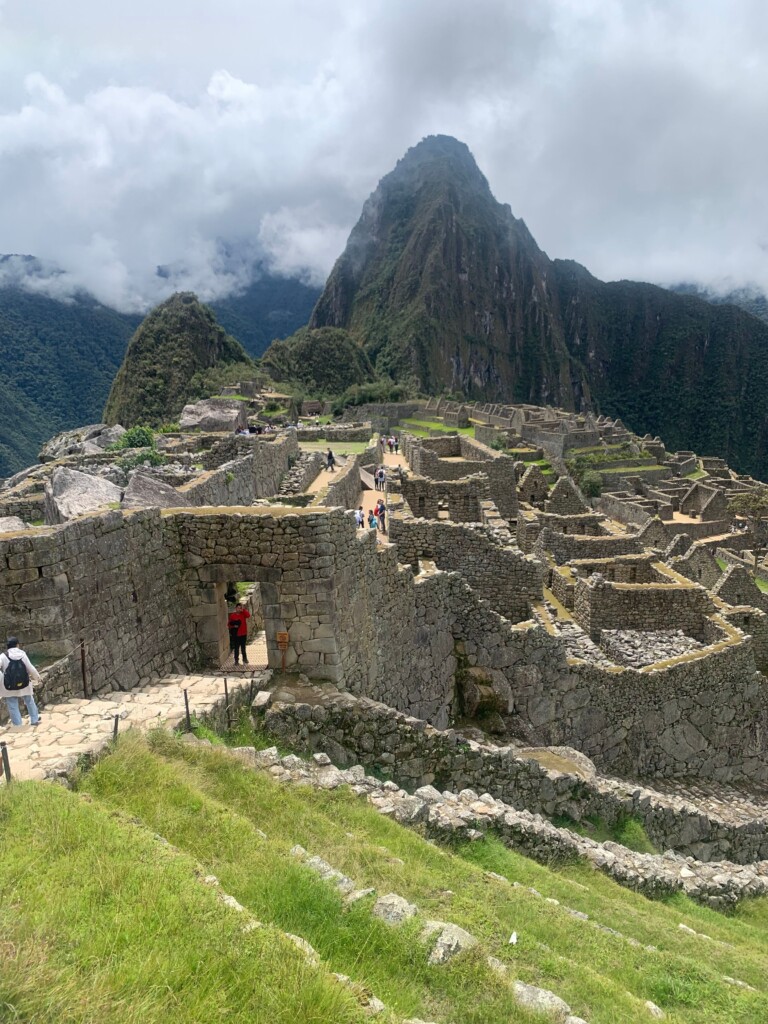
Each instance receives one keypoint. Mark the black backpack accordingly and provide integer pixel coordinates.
(15, 676)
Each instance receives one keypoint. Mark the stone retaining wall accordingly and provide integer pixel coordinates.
(414, 754)
(255, 475)
(336, 432)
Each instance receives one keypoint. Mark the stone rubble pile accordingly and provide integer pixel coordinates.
(578, 645)
(635, 648)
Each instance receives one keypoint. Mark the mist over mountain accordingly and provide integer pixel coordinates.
(749, 298)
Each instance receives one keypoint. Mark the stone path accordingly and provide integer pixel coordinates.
(368, 498)
(80, 726)
(256, 652)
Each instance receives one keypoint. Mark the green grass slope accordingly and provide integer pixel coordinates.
(86, 892)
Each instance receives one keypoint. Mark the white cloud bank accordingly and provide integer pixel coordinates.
(198, 137)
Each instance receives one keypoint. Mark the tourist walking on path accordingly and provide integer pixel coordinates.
(381, 512)
(381, 479)
(397, 446)
(360, 518)
(18, 673)
(330, 461)
(238, 631)
(371, 519)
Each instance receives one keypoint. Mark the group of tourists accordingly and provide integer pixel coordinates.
(376, 519)
(393, 443)
(17, 673)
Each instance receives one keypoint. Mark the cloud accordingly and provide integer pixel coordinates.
(203, 138)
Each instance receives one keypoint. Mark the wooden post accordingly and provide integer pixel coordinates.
(282, 643)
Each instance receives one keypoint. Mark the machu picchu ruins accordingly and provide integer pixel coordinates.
(568, 655)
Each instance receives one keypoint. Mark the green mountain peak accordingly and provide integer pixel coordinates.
(176, 342)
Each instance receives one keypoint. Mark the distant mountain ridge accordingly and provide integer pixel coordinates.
(441, 284)
(750, 299)
(60, 357)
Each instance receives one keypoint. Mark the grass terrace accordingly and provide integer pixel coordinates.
(101, 919)
(338, 447)
(422, 427)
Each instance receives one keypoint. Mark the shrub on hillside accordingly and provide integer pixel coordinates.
(591, 484)
(135, 437)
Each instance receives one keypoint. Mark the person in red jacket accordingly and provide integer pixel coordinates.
(237, 625)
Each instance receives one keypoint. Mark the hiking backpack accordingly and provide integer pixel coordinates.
(15, 676)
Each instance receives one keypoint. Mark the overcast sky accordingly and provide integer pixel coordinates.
(631, 135)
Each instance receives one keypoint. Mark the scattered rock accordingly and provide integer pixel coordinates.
(450, 940)
(109, 436)
(69, 494)
(309, 952)
(654, 1010)
(214, 414)
(68, 442)
(9, 524)
(541, 1000)
(393, 909)
(146, 491)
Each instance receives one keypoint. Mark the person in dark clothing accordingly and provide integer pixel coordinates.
(330, 461)
(238, 632)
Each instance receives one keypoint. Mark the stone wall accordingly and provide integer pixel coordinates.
(306, 468)
(106, 588)
(559, 443)
(353, 615)
(144, 592)
(462, 498)
(344, 489)
(530, 525)
(625, 508)
(335, 432)
(257, 474)
(565, 548)
(454, 457)
(599, 604)
(27, 505)
(383, 415)
(360, 731)
(497, 572)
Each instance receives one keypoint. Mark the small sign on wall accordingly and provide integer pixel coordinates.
(282, 641)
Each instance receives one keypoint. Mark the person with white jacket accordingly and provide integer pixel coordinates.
(21, 666)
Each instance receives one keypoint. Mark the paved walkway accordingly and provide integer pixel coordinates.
(368, 498)
(256, 652)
